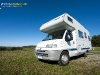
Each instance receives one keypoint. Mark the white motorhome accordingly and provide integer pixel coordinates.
(66, 38)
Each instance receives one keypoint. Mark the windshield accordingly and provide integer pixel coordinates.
(55, 35)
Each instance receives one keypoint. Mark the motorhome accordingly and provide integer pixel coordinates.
(66, 38)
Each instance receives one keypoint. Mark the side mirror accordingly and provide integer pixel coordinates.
(68, 36)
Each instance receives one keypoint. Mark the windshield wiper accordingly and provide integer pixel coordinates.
(43, 40)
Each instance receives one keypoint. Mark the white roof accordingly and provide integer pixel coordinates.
(60, 22)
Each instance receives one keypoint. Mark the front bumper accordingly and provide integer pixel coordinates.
(52, 55)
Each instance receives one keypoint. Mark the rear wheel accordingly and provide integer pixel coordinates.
(64, 59)
(85, 54)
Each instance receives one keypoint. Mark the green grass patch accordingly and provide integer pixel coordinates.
(96, 48)
(23, 62)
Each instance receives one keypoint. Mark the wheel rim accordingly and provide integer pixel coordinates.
(64, 59)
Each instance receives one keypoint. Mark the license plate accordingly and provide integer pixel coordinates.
(40, 57)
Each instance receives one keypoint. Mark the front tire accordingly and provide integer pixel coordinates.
(64, 59)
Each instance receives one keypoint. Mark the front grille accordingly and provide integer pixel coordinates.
(41, 54)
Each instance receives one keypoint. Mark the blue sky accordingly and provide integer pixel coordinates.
(19, 26)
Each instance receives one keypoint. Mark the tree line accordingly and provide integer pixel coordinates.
(95, 40)
(3, 48)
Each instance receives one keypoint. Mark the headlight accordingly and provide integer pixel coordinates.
(51, 46)
(54, 46)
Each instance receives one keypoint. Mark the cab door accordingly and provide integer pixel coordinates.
(69, 42)
(69, 39)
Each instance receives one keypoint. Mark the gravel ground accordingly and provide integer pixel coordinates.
(92, 59)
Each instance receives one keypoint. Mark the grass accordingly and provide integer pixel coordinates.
(23, 62)
(96, 48)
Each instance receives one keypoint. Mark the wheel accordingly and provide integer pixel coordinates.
(85, 54)
(64, 59)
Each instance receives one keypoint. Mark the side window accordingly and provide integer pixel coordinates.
(80, 33)
(89, 38)
(69, 19)
(85, 35)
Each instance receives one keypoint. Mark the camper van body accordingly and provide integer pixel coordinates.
(64, 34)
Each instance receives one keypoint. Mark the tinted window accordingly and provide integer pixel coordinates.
(89, 38)
(85, 35)
(80, 34)
(70, 19)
